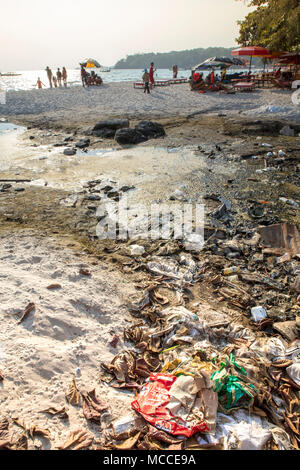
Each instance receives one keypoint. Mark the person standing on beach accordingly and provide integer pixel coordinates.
(64, 76)
(212, 77)
(151, 75)
(146, 81)
(54, 81)
(40, 84)
(49, 74)
(175, 71)
(59, 76)
(83, 75)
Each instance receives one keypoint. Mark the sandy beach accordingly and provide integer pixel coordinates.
(81, 106)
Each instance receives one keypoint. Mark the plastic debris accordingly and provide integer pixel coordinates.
(232, 385)
(258, 314)
(178, 406)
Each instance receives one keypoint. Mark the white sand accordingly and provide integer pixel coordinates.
(69, 328)
(121, 99)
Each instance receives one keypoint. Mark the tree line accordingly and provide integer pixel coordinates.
(165, 60)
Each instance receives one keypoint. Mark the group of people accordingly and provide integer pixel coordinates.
(55, 80)
(197, 81)
(89, 79)
(148, 78)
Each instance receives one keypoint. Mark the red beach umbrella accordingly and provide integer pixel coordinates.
(252, 51)
(290, 58)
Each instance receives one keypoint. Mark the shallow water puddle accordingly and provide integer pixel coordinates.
(155, 171)
(6, 127)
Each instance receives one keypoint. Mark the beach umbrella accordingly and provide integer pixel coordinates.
(290, 58)
(91, 64)
(251, 51)
(218, 62)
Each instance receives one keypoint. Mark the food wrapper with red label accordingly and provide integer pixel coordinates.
(168, 402)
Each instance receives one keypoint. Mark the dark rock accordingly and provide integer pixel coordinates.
(113, 124)
(150, 129)
(59, 144)
(83, 143)
(94, 197)
(113, 194)
(4, 187)
(70, 152)
(68, 139)
(31, 137)
(219, 212)
(107, 189)
(19, 190)
(129, 136)
(125, 188)
(104, 133)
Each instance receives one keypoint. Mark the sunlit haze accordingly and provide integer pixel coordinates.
(34, 34)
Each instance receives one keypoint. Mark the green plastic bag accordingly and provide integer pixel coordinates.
(232, 388)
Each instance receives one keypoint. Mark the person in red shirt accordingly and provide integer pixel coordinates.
(212, 77)
(39, 83)
(151, 75)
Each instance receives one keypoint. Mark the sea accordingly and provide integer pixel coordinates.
(27, 79)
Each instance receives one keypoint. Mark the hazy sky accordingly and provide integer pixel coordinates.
(36, 33)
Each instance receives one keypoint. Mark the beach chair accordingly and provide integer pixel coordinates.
(244, 86)
(138, 85)
(287, 84)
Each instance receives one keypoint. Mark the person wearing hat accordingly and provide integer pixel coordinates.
(146, 79)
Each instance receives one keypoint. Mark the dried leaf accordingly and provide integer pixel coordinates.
(85, 272)
(4, 444)
(55, 412)
(73, 395)
(129, 443)
(54, 286)
(20, 423)
(35, 430)
(93, 406)
(4, 434)
(114, 342)
(30, 307)
(161, 436)
(141, 368)
(21, 443)
(78, 440)
(178, 446)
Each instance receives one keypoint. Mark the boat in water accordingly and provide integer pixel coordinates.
(10, 74)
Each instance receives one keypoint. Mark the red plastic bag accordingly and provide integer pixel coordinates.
(152, 405)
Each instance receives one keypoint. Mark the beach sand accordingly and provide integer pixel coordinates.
(69, 328)
(82, 106)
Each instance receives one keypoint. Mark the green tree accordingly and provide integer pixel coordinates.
(274, 24)
(164, 60)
